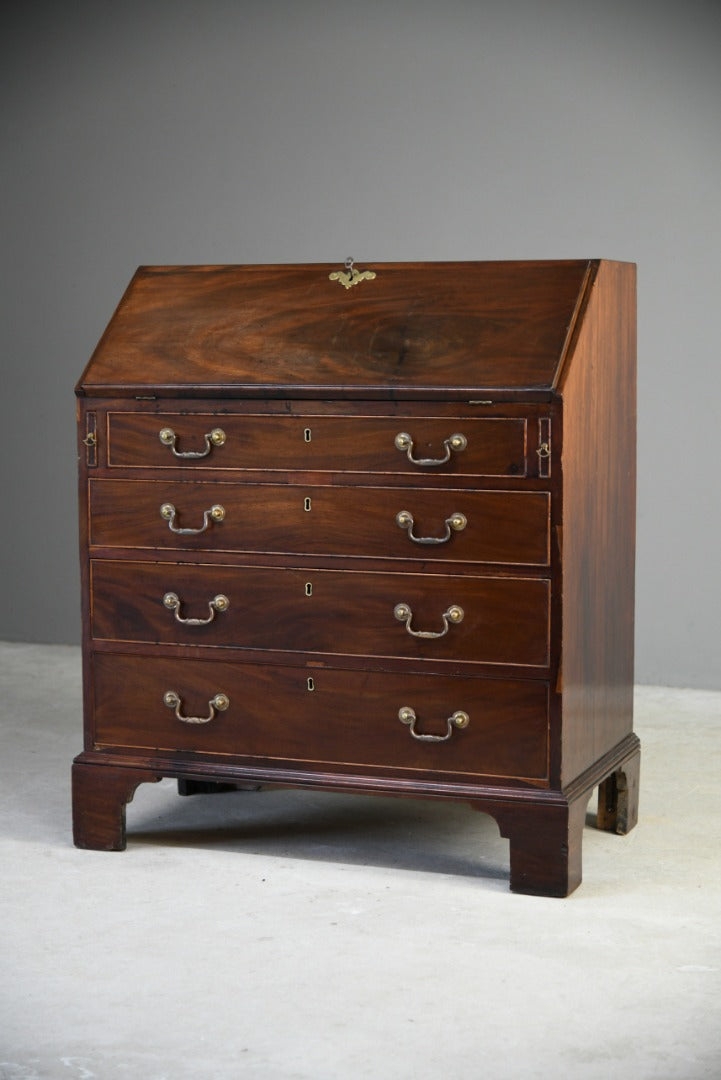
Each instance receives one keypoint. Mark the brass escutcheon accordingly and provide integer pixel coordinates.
(351, 276)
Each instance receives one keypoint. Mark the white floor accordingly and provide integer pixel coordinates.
(300, 936)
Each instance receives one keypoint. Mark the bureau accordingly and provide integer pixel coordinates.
(365, 529)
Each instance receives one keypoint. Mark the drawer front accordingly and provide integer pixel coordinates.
(348, 718)
(502, 620)
(487, 447)
(497, 526)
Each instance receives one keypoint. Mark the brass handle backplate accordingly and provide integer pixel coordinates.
(219, 703)
(169, 513)
(456, 442)
(404, 614)
(455, 523)
(216, 437)
(459, 719)
(219, 603)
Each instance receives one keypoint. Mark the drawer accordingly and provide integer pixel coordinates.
(496, 526)
(487, 446)
(348, 718)
(502, 620)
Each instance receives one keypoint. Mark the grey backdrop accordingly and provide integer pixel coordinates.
(217, 131)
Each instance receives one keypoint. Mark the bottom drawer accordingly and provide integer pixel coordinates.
(325, 716)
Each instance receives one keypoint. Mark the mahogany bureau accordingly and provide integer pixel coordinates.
(365, 529)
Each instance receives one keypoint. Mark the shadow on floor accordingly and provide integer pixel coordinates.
(353, 829)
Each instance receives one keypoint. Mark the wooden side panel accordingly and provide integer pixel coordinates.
(599, 499)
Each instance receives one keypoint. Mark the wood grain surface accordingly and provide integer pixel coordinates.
(534, 364)
(505, 620)
(496, 447)
(599, 516)
(284, 329)
(502, 526)
(349, 718)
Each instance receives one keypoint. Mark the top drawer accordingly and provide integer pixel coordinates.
(418, 444)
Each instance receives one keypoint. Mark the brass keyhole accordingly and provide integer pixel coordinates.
(309, 588)
(310, 684)
(306, 504)
(307, 434)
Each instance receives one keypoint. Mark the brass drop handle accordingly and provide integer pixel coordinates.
(216, 437)
(404, 614)
(219, 603)
(456, 442)
(169, 513)
(455, 523)
(218, 703)
(459, 719)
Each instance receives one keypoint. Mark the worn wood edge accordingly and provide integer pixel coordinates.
(351, 783)
(579, 321)
(590, 355)
(191, 268)
(312, 391)
(99, 820)
(576, 322)
(315, 660)
(609, 763)
(79, 386)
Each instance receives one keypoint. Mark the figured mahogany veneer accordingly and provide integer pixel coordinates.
(419, 330)
(300, 634)
(502, 527)
(345, 720)
(505, 620)
(366, 444)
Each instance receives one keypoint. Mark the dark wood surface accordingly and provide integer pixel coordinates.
(347, 719)
(599, 511)
(496, 446)
(100, 796)
(618, 798)
(545, 846)
(542, 661)
(503, 527)
(424, 327)
(505, 620)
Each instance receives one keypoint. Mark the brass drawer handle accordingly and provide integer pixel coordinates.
(220, 703)
(456, 442)
(459, 719)
(454, 615)
(454, 523)
(219, 603)
(216, 437)
(168, 513)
